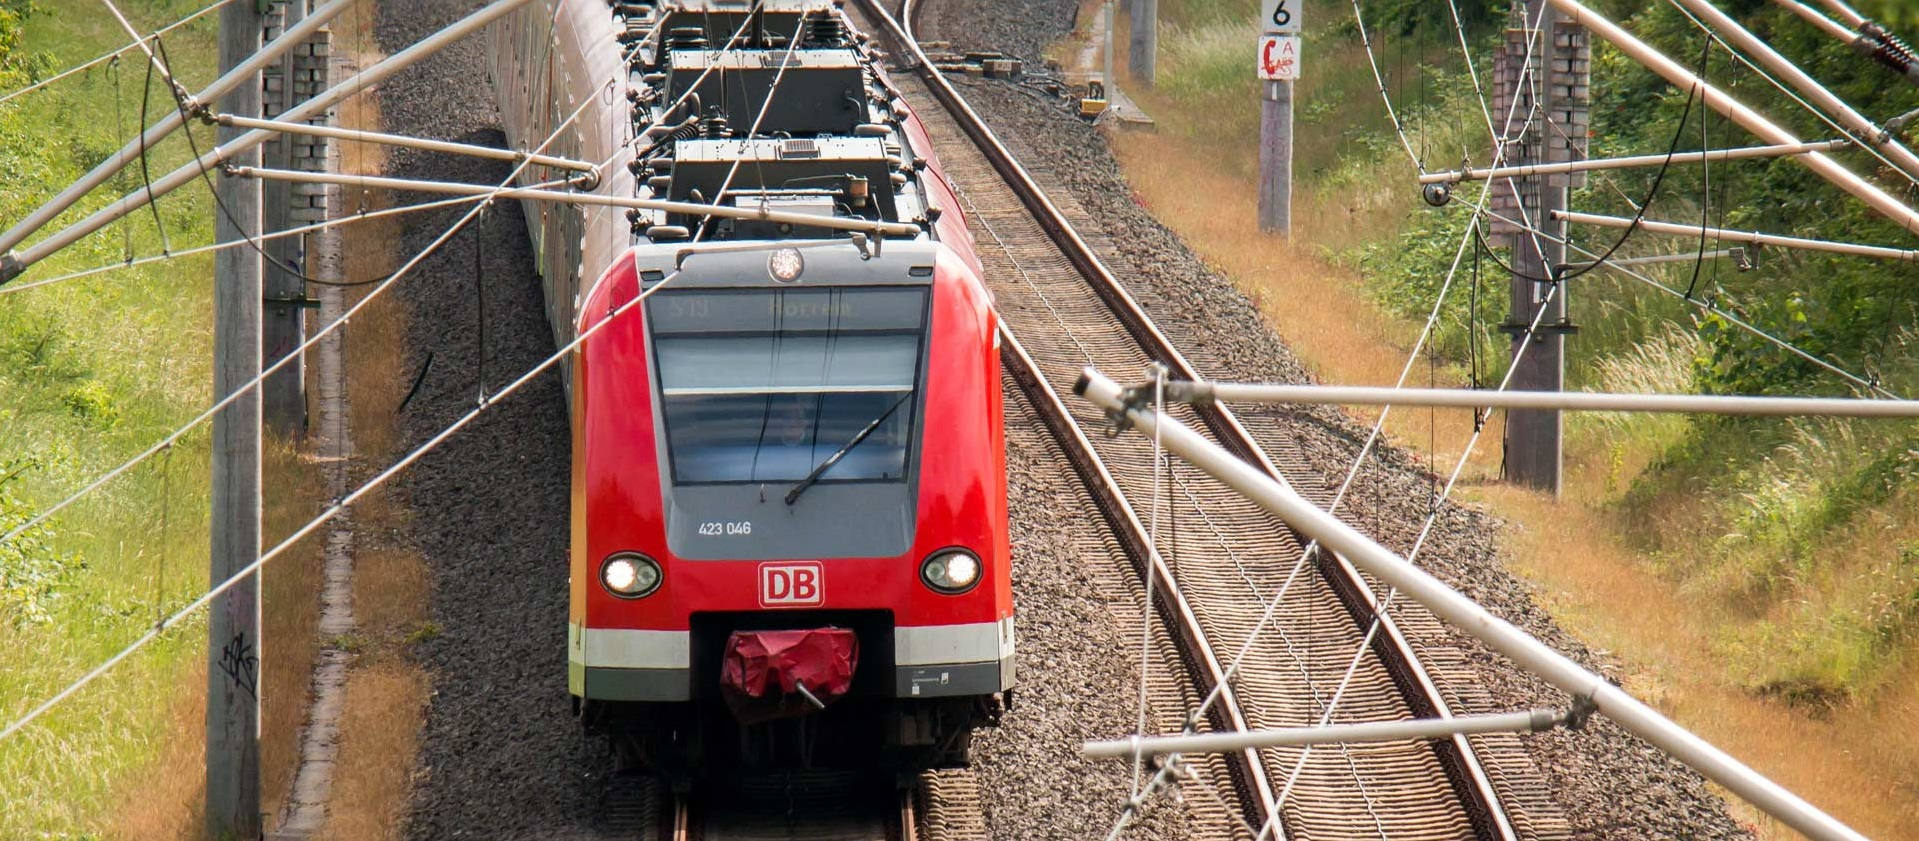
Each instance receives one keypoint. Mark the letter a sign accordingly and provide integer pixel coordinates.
(1279, 58)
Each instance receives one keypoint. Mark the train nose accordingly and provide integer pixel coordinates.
(768, 675)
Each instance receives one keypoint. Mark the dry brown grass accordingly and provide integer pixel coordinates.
(380, 735)
(290, 609)
(165, 801)
(1855, 763)
(1318, 307)
(386, 690)
(165, 797)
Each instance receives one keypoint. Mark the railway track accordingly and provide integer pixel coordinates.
(1219, 557)
(807, 805)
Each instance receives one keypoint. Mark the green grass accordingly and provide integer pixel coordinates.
(91, 372)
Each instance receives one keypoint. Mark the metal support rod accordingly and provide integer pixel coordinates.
(689, 208)
(166, 125)
(1820, 21)
(15, 263)
(1845, 13)
(233, 622)
(1720, 254)
(1572, 401)
(1752, 237)
(446, 146)
(1863, 128)
(1827, 168)
(1467, 615)
(1532, 721)
(1143, 57)
(1592, 165)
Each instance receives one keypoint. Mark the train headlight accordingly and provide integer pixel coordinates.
(951, 571)
(630, 576)
(786, 264)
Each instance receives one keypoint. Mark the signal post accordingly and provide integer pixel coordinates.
(1279, 53)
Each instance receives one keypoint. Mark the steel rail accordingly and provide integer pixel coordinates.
(1457, 756)
(1175, 610)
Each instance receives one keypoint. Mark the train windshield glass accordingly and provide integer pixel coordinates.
(765, 385)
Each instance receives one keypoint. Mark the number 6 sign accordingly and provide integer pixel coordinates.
(1280, 17)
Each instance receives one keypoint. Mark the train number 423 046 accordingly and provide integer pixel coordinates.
(716, 528)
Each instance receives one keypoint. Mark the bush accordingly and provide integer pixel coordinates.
(32, 574)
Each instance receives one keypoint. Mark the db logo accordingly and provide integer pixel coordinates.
(792, 585)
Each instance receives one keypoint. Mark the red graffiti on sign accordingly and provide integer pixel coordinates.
(1279, 58)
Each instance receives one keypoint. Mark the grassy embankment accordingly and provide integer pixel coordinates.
(1757, 579)
(91, 372)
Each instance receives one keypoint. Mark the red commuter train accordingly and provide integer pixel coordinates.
(789, 525)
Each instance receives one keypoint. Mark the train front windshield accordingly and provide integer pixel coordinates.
(767, 385)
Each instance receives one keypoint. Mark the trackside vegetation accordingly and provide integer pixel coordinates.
(93, 371)
(1793, 545)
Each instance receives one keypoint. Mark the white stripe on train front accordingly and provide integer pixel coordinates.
(979, 642)
(625, 649)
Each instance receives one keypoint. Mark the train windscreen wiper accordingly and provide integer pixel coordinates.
(813, 478)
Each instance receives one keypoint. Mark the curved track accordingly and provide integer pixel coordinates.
(1219, 556)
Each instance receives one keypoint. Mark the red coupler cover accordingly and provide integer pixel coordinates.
(763, 671)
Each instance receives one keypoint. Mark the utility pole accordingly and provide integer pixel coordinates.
(283, 395)
(1555, 94)
(1143, 60)
(1279, 54)
(233, 623)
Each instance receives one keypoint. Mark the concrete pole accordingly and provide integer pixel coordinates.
(1110, 15)
(1276, 159)
(283, 395)
(233, 623)
(1279, 66)
(1534, 442)
(1143, 60)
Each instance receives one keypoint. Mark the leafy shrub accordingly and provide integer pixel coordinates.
(32, 574)
(91, 402)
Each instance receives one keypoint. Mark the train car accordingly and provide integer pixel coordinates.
(789, 528)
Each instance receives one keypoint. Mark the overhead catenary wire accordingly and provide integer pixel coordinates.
(269, 370)
(1732, 318)
(16, 261)
(95, 62)
(1385, 605)
(12, 262)
(1376, 433)
(1589, 691)
(504, 187)
(384, 476)
(360, 216)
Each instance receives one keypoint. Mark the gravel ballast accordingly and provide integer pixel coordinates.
(501, 755)
(1607, 783)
